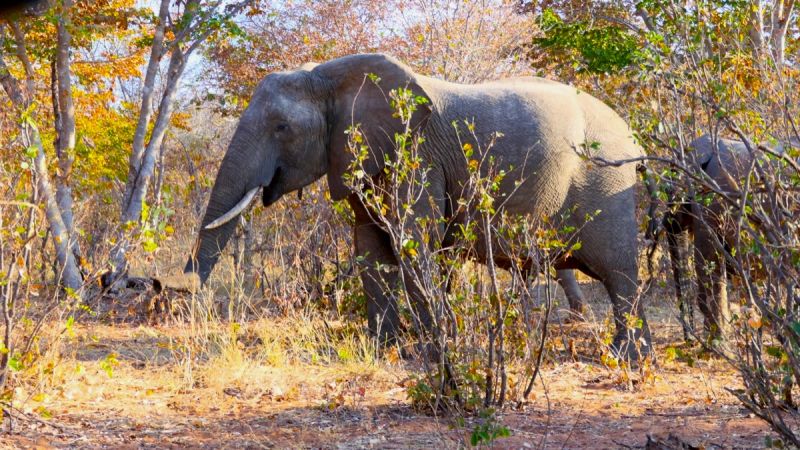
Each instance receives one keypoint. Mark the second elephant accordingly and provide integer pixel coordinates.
(708, 219)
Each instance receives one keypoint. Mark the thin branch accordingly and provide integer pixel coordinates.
(11, 84)
(22, 54)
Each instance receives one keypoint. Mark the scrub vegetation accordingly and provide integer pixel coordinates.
(116, 114)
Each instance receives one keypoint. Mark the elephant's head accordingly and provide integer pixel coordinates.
(293, 132)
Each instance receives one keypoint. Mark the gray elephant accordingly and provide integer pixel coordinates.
(572, 291)
(726, 162)
(293, 133)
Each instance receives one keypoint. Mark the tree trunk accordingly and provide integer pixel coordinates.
(756, 28)
(137, 175)
(69, 275)
(781, 16)
(146, 109)
(143, 158)
(159, 183)
(70, 272)
(138, 194)
(64, 112)
(133, 209)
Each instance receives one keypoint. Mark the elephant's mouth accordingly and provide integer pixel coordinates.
(270, 194)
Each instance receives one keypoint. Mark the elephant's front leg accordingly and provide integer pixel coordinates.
(421, 270)
(379, 275)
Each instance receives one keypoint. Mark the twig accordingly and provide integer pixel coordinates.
(11, 410)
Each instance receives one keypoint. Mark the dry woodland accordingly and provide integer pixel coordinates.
(115, 116)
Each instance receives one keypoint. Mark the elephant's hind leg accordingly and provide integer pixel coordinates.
(609, 251)
(619, 274)
(572, 290)
(632, 339)
(678, 243)
(712, 286)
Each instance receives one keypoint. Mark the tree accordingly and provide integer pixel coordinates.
(451, 39)
(188, 27)
(718, 68)
(58, 202)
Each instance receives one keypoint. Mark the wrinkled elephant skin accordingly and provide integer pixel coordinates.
(293, 133)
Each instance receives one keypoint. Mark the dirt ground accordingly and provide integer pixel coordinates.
(156, 400)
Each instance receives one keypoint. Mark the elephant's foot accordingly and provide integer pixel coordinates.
(717, 343)
(632, 345)
(576, 314)
(422, 350)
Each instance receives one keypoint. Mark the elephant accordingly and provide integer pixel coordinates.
(726, 162)
(572, 291)
(294, 131)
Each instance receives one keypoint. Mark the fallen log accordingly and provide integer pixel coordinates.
(671, 442)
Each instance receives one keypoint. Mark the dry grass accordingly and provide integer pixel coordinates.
(300, 381)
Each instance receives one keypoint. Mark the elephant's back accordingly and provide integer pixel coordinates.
(732, 156)
(568, 112)
(530, 114)
(544, 127)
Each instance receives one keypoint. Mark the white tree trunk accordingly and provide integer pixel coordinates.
(143, 158)
(146, 109)
(69, 275)
(64, 110)
(756, 29)
(138, 184)
(70, 272)
(147, 167)
(781, 18)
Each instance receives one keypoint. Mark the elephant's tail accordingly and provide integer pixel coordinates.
(654, 226)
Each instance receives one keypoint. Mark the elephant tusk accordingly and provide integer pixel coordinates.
(235, 211)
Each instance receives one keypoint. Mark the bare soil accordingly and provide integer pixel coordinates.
(155, 400)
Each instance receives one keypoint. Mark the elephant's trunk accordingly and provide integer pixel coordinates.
(237, 181)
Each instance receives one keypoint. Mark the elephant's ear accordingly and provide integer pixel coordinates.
(362, 84)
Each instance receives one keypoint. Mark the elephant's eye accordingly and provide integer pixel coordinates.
(281, 127)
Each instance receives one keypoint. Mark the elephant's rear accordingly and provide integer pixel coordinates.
(606, 192)
(564, 129)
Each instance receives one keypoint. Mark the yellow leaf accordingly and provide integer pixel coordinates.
(609, 361)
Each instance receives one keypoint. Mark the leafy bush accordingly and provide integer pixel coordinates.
(482, 333)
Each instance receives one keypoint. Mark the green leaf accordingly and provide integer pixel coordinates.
(774, 351)
(109, 363)
(14, 364)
